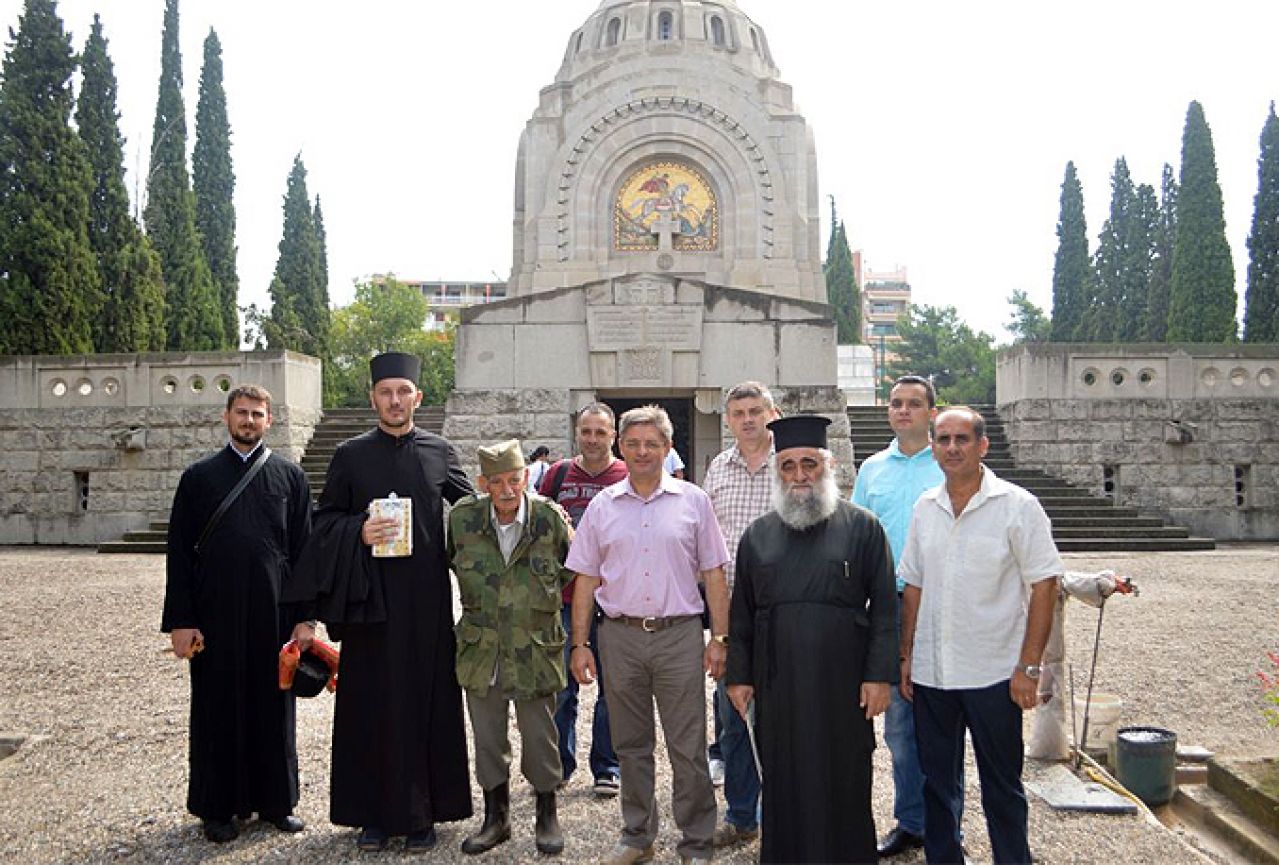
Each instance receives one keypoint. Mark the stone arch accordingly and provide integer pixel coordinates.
(704, 136)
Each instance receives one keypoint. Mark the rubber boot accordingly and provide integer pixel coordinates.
(497, 821)
(547, 829)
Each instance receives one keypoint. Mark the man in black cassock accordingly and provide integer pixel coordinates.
(223, 611)
(399, 745)
(813, 643)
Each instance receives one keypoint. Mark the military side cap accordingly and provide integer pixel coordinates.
(502, 457)
(799, 431)
(311, 676)
(395, 364)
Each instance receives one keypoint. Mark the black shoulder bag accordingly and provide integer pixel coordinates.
(232, 496)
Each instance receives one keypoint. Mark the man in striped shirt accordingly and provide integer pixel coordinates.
(739, 483)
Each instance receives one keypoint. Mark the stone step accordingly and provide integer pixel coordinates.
(1134, 545)
(1105, 529)
(132, 547)
(1126, 522)
(147, 536)
(1216, 813)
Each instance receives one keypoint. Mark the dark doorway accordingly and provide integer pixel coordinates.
(680, 410)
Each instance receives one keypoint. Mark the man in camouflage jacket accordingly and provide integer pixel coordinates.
(507, 549)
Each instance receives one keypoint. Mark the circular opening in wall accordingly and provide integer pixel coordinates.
(1239, 376)
(222, 383)
(58, 387)
(84, 387)
(1266, 377)
(1118, 377)
(197, 384)
(1146, 377)
(169, 384)
(1090, 376)
(110, 386)
(1210, 376)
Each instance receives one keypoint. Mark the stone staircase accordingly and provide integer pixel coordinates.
(1082, 522)
(336, 426)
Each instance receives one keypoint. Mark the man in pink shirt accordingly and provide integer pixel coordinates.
(640, 550)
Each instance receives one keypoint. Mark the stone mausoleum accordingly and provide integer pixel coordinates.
(666, 240)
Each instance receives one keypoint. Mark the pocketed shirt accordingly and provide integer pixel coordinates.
(888, 485)
(975, 574)
(648, 552)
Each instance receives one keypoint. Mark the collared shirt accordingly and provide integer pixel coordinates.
(508, 535)
(739, 497)
(648, 552)
(673, 462)
(975, 574)
(243, 456)
(888, 485)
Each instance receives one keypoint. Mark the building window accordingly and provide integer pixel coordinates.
(578, 48)
(665, 26)
(717, 31)
(755, 40)
(613, 33)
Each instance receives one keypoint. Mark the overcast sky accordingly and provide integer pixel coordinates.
(943, 129)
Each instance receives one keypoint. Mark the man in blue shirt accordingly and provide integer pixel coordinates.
(888, 484)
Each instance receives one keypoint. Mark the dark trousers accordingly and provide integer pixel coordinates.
(994, 722)
(602, 758)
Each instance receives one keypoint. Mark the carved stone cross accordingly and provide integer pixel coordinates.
(665, 227)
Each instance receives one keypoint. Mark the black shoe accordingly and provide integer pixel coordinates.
(496, 827)
(420, 841)
(221, 831)
(372, 840)
(899, 841)
(287, 823)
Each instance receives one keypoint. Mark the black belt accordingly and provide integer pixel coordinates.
(652, 623)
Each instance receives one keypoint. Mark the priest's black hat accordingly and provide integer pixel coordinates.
(311, 676)
(799, 431)
(395, 364)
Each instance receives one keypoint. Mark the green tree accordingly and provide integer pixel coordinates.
(841, 284)
(387, 315)
(1261, 303)
(936, 343)
(1154, 327)
(213, 181)
(194, 321)
(323, 236)
(299, 295)
(1202, 299)
(132, 317)
(50, 290)
(1071, 272)
(1028, 322)
(1139, 262)
(1106, 294)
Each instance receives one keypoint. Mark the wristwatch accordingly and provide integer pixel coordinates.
(1031, 671)
(722, 639)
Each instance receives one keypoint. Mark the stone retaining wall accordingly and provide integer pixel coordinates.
(1190, 432)
(92, 446)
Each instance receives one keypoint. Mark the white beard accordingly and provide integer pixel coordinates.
(804, 513)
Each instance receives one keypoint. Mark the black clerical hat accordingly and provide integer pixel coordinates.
(799, 431)
(395, 364)
(311, 676)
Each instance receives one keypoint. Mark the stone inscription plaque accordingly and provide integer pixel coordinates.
(616, 328)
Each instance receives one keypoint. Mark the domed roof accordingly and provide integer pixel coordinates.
(662, 26)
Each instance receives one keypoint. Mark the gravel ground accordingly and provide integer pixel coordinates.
(102, 776)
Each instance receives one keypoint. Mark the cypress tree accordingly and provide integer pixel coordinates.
(194, 321)
(1202, 299)
(1071, 273)
(132, 317)
(1139, 258)
(213, 179)
(323, 237)
(1155, 319)
(1106, 290)
(841, 287)
(1261, 304)
(299, 295)
(50, 291)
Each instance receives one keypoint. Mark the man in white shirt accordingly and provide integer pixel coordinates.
(981, 576)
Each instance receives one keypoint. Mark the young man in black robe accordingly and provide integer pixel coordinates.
(399, 745)
(222, 610)
(813, 642)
